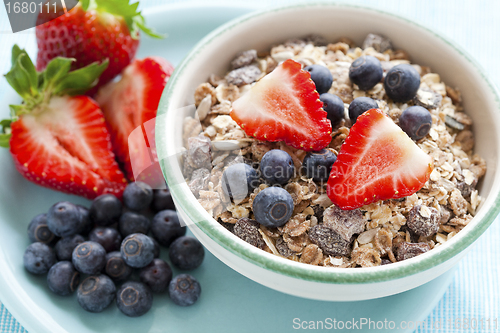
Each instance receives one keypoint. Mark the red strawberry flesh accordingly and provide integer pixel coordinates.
(377, 161)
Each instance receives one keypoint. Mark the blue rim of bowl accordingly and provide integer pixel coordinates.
(238, 247)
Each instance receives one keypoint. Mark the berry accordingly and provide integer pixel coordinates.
(377, 161)
(359, 106)
(317, 165)
(96, 293)
(321, 76)
(166, 227)
(132, 223)
(89, 257)
(105, 210)
(38, 258)
(157, 275)
(157, 247)
(416, 121)
(38, 231)
(284, 106)
(63, 279)
(134, 299)
(63, 219)
(86, 224)
(137, 250)
(184, 290)
(333, 106)
(273, 207)
(125, 112)
(276, 167)
(109, 238)
(137, 196)
(186, 253)
(366, 72)
(116, 268)
(63, 129)
(162, 199)
(239, 180)
(65, 246)
(401, 83)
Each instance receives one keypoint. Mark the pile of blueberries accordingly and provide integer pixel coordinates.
(401, 84)
(109, 245)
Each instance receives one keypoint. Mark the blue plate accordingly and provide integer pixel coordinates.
(229, 301)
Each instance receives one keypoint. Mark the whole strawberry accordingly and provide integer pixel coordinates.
(94, 30)
(58, 138)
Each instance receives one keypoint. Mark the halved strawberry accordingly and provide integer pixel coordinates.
(284, 106)
(128, 104)
(60, 141)
(377, 161)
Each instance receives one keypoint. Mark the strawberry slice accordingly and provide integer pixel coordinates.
(56, 140)
(377, 161)
(284, 106)
(127, 105)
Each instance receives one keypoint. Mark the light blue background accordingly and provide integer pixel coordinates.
(473, 25)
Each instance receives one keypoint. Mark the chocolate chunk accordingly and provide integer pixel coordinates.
(244, 58)
(344, 222)
(428, 98)
(423, 220)
(243, 75)
(409, 250)
(329, 241)
(283, 248)
(199, 180)
(378, 42)
(318, 212)
(199, 151)
(228, 226)
(248, 230)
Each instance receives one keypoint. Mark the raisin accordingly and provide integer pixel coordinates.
(316, 40)
(318, 212)
(378, 42)
(199, 151)
(413, 236)
(228, 226)
(244, 58)
(466, 189)
(199, 181)
(329, 241)
(243, 75)
(248, 230)
(423, 220)
(283, 248)
(445, 215)
(344, 222)
(407, 250)
(385, 261)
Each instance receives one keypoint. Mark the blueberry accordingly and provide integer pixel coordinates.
(416, 121)
(63, 219)
(157, 275)
(65, 246)
(318, 164)
(276, 167)
(273, 207)
(132, 223)
(137, 250)
(89, 257)
(359, 106)
(186, 253)
(137, 196)
(156, 250)
(166, 227)
(239, 180)
(38, 258)
(333, 106)
(109, 238)
(162, 199)
(116, 268)
(184, 290)
(366, 72)
(63, 278)
(96, 293)
(105, 210)
(134, 299)
(38, 231)
(321, 76)
(401, 83)
(86, 224)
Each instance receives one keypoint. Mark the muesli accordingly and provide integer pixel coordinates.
(316, 231)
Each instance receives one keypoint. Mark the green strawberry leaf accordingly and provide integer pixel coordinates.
(23, 76)
(4, 140)
(79, 81)
(5, 134)
(85, 4)
(56, 70)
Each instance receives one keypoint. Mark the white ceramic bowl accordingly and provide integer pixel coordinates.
(261, 30)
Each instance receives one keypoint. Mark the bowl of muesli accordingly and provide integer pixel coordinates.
(331, 151)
